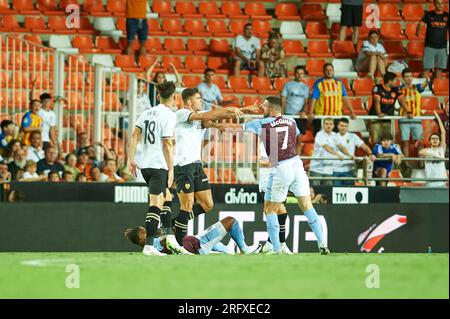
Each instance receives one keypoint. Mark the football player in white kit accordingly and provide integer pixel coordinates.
(192, 182)
(155, 128)
(281, 139)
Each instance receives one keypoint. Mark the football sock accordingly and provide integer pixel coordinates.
(196, 211)
(273, 228)
(238, 236)
(151, 223)
(166, 218)
(282, 221)
(314, 223)
(181, 226)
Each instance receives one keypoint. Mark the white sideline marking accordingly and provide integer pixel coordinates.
(44, 262)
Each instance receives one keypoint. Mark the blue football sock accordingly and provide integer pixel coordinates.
(314, 223)
(273, 228)
(238, 236)
(221, 248)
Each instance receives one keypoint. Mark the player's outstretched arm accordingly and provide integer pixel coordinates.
(225, 113)
(135, 137)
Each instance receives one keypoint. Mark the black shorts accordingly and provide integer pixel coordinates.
(156, 180)
(351, 15)
(137, 26)
(191, 178)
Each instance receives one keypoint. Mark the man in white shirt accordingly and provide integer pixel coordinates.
(35, 152)
(248, 53)
(209, 91)
(372, 57)
(155, 129)
(324, 146)
(347, 143)
(192, 182)
(48, 121)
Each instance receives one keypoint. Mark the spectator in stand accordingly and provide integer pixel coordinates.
(53, 177)
(272, 55)
(411, 127)
(294, 98)
(384, 97)
(444, 119)
(436, 169)
(13, 146)
(49, 163)
(386, 149)
(35, 152)
(109, 172)
(31, 122)
(142, 99)
(96, 174)
(247, 53)
(82, 141)
(351, 17)
(317, 198)
(324, 146)
(67, 177)
(18, 163)
(159, 78)
(81, 178)
(30, 174)
(92, 152)
(5, 175)
(372, 57)
(327, 97)
(71, 165)
(83, 165)
(435, 56)
(347, 143)
(209, 91)
(6, 135)
(136, 23)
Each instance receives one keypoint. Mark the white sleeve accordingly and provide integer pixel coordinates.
(320, 139)
(183, 115)
(168, 130)
(53, 119)
(337, 140)
(140, 121)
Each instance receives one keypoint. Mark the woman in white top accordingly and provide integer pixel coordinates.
(372, 56)
(435, 169)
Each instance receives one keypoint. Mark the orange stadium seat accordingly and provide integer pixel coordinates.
(107, 45)
(219, 28)
(257, 11)
(233, 10)
(412, 12)
(389, 12)
(343, 49)
(18, 60)
(392, 31)
(64, 3)
(440, 87)
(415, 49)
(49, 7)
(416, 66)
(174, 27)
(175, 60)
(84, 43)
(308, 149)
(121, 25)
(58, 25)
(25, 7)
(198, 46)
(261, 28)
(75, 80)
(316, 30)
(145, 61)
(196, 28)
(154, 28)
(164, 9)
(280, 82)
(240, 84)
(263, 85)
(210, 10)
(33, 38)
(319, 49)
(410, 31)
(36, 25)
(5, 8)
(357, 106)
(312, 11)
(363, 86)
(187, 9)
(250, 100)
(191, 80)
(287, 11)
(95, 8)
(175, 46)
(86, 26)
(219, 46)
(232, 100)
(127, 63)
(294, 47)
(219, 64)
(315, 67)
(116, 7)
(429, 104)
(221, 83)
(9, 23)
(237, 26)
(395, 49)
(308, 137)
(195, 64)
(336, 29)
(346, 84)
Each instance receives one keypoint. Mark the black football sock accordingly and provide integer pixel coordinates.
(151, 223)
(166, 218)
(282, 221)
(197, 210)
(181, 226)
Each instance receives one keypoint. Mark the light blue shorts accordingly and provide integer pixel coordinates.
(411, 128)
(210, 237)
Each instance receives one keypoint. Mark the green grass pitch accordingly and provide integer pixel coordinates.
(133, 275)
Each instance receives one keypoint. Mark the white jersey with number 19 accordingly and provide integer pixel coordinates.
(156, 124)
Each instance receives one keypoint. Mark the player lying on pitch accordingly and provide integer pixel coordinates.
(203, 244)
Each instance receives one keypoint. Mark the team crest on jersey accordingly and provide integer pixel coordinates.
(187, 185)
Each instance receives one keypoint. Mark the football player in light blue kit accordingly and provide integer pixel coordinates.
(281, 139)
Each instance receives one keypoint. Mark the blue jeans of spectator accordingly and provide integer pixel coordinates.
(344, 174)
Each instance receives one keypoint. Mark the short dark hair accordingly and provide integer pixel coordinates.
(166, 89)
(133, 236)
(5, 124)
(66, 173)
(386, 136)
(406, 70)
(188, 93)
(52, 173)
(372, 32)
(388, 76)
(34, 133)
(209, 70)
(33, 101)
(156, 76)
(247, 25)
(80, 175)
(326, 65)
(343, 120)
(301, 67)
(429, 139)
(274, 101)
(45, 96)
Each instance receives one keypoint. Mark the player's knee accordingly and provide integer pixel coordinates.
(206, 205)
(187, 205)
